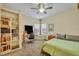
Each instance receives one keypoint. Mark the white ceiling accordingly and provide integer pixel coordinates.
(25, 9)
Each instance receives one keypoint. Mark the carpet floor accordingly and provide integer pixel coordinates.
(31, 49)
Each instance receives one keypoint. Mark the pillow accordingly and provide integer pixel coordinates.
(60, 36)
(72, 38)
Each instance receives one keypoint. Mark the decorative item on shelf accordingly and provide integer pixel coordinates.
(0, 37)
(4, 22)
(6, 47)
(5, 30)
(5, 37)
(0, 49)
(0, 23)
(14, 23)
(14, 33)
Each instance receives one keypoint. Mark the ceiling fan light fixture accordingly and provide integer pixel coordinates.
(41, 10)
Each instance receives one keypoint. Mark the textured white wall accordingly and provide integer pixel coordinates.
(25, 20)
(66, 22)
(28, 21)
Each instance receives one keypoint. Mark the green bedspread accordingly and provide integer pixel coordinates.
(60, 47)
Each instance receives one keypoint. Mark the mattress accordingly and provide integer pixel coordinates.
(61, 47)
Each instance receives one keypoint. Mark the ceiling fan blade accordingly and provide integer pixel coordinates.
(45, 12)
(33, 8)
(49, 8)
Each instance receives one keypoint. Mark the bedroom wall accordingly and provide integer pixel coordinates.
(25, 20)
(66, 22)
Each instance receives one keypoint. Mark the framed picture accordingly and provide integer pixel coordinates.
(51, 27)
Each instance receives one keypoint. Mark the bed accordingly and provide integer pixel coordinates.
(59, 47)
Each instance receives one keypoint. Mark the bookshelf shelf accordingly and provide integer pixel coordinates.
(9, 30)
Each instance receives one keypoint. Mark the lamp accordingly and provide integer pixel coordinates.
(41, 7)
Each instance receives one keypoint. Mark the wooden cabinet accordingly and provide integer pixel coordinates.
(51, 37)
(9, 30)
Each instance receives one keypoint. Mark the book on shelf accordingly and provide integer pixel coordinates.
(5, 37)
(5, 30)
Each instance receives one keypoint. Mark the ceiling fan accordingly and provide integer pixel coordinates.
(41, 8)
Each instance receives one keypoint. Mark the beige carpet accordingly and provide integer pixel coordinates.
(32, 49)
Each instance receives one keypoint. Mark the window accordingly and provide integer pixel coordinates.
(44, 29)
(40, 29)
(36, 29)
